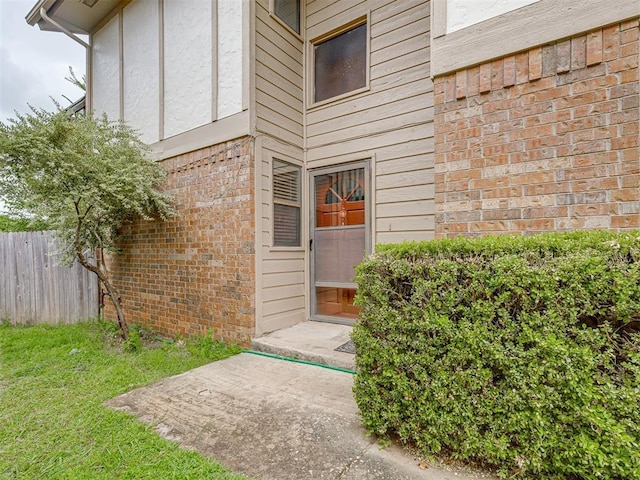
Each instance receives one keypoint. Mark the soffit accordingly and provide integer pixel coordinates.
(77, 16)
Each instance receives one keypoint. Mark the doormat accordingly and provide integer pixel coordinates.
(348, 347)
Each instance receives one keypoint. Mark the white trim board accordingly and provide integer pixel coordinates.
(207, 135)
(527, 27)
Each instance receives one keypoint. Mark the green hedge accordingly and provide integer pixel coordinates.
(521, 353)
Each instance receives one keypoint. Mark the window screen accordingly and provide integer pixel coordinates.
(286, 204)
(289, 12)
(340, 63)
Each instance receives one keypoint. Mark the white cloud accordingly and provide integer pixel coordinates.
(33, 63)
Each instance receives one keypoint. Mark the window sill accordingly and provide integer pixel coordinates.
(286, 249)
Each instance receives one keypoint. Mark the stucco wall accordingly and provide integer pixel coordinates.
(141, 57)
(229, 57)
(463, 13)
(105, 73)
(182, 65)
(187, 65)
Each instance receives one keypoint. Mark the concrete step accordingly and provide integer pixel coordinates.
(310, 341)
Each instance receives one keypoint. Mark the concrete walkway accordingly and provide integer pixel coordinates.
(274, 419)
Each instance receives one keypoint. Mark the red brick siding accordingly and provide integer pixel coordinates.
(196, 272)
(541, 140)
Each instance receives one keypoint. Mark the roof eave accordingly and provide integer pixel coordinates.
(76, 16)
(34, 16)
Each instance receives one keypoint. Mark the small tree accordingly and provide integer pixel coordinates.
(20, 224)
(83, 176)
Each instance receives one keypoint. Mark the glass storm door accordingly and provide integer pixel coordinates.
(339, 240)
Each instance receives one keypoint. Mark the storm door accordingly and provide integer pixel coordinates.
(339, 239)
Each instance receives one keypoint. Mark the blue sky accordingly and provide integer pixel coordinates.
(33, 63)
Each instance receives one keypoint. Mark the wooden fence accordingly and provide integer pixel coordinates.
(36, 288)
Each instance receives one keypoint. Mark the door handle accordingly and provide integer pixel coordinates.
(311, 244)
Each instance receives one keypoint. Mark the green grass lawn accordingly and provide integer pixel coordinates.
(53, 424)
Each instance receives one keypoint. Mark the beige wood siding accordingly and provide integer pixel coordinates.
(278, 78)
(392, 122)
(281, 272)
(278, 81)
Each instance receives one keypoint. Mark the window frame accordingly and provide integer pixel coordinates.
(274, 15)
(311, 77)
(298, 205)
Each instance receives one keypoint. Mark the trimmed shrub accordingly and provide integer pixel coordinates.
(521, 353)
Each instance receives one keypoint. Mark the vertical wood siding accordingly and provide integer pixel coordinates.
(35, 289)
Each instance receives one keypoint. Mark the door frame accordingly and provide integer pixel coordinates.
(366, 165)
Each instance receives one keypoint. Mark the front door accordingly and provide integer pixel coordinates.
(339, 239)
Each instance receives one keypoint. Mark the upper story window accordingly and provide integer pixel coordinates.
(289, 12)
(340, 63)
(286, 204)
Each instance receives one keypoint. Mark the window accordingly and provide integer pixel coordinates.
(289, 12)
(340, 63)
(286, 204)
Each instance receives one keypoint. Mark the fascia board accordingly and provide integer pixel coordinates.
(33, 16)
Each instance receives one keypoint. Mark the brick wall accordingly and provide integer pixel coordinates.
(196, 272)
(542, 140)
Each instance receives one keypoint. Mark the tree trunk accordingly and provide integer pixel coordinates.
(111, 289)
(115, 299)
